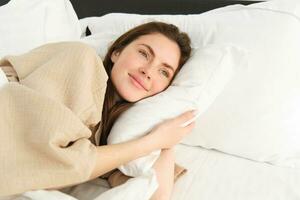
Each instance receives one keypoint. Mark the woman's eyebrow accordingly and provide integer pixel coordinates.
(153, 54)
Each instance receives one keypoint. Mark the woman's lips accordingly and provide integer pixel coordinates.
(136, 83)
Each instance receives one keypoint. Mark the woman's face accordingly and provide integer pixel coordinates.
(145, 67)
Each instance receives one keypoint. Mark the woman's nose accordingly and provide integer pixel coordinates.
(146, 71)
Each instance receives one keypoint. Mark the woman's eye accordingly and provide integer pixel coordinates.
(143, 53)
(165, 73)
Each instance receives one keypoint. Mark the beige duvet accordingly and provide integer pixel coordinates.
(46, 118)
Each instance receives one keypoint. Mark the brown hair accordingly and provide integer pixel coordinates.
(112, 108)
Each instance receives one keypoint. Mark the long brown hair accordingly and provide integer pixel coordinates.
(112, 108)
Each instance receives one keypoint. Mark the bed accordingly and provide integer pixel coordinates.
(227, 167)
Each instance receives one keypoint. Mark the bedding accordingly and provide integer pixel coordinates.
(10, 73)
(29, 24)
(118, 178)
(211, 174)
(257, 107)
(47, 117)
(196, 86)
(198, 91)
(3, 78)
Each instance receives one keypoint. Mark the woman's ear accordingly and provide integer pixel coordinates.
(114, 56)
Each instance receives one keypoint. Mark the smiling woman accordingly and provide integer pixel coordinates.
(140, 69)
(141, 63)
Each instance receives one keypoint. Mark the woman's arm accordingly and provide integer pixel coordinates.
(164, 168)
(112, 156)
(164, 136)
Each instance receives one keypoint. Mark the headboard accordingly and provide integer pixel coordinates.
(88, 8)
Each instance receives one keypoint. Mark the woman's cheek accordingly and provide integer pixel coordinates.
(157, 86)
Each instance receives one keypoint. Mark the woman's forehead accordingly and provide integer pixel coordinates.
(161, 46)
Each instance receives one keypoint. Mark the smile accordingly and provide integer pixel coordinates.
(136, 83)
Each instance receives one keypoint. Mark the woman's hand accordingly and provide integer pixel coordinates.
(163, 136)
(169, 133)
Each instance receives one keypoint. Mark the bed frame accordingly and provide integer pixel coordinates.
(88, 8)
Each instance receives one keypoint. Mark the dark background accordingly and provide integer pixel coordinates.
(2, 2)
(87, 8)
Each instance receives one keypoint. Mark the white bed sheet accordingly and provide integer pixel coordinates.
(211, 175)
(214, 175)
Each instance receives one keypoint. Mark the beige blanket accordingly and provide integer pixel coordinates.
(46, 118)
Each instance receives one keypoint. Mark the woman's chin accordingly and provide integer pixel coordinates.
(130, 98)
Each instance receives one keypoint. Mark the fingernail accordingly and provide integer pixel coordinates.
(194, 112)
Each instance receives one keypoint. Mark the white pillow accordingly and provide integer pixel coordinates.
(257, 114)
(28, 24)
(106, 29)
(196, 86)
(248, 119)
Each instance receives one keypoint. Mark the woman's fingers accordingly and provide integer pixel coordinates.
(190, 126)
(184, 117)
(169, 132)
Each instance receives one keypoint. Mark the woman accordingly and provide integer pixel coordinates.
(153, 53)
(139, 64)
